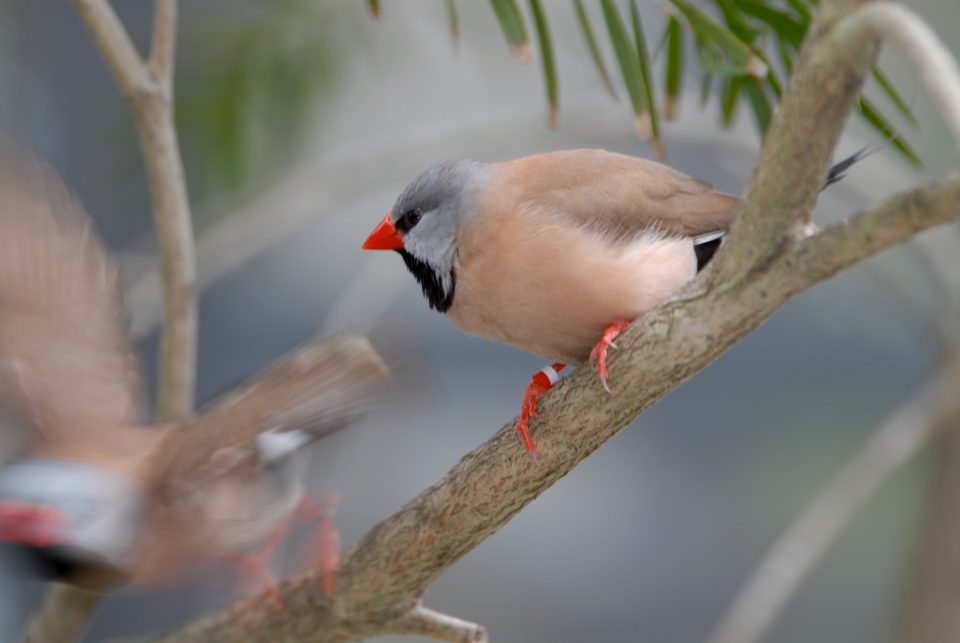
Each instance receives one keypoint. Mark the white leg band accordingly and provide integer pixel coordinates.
(552, 375)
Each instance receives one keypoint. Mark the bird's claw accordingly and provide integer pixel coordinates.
(528, 409)
(324, 543)
(598, 356)
(603, 383)
(541, 382)
(324, 549)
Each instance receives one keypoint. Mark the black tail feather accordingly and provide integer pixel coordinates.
(705, 252)
(839, 170)
(707, 248)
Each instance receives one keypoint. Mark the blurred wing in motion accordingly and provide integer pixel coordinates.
(66, 367)
(224, 479)
(68, 375)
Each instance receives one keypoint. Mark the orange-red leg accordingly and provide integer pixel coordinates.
(255, 564)
(541, 382)
(323, 547)
(325, 544)
(598, 355)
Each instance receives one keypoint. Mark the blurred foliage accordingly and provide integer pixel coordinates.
(732, 42)
(245, 86)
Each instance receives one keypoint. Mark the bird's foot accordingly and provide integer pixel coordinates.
(324, 547)
(254, 566)
(323, 544)
(598, 355)
(541, 382)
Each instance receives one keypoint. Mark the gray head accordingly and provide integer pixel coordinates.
(425, 222)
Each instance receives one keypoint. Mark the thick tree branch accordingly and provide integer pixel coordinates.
(766, 262)
(800, 142)
(934, 408)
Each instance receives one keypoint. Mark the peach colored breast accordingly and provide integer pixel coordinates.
(527, 277)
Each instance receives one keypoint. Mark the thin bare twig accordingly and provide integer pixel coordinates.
(928, 611)
(115, 44)
(932, 61)
(164, 45)
(171, 211)
(148, 89)
(760, 601)
(422, 621)
(65, 613)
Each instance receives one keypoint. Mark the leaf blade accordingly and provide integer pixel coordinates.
(729, 95)
(762, 111)
(673, 68)
(514, 28)
(454, 23)
(646, 76)
(875, 119)
(591, 41)
(711, 34)
(626, 57)
(895, 97)
(785, 26)
(549, 64)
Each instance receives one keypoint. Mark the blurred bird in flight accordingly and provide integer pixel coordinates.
(100, 496)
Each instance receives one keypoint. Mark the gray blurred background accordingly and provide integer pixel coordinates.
(290, 166)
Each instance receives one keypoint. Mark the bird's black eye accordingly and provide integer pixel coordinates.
(408, 220)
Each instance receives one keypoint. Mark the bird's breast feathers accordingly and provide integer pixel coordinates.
(531, 280)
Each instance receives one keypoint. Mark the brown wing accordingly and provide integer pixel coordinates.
(210, 493)
(318, 389)
(616, 194)
(66, 366)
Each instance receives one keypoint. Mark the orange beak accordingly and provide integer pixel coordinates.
(384, 237)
